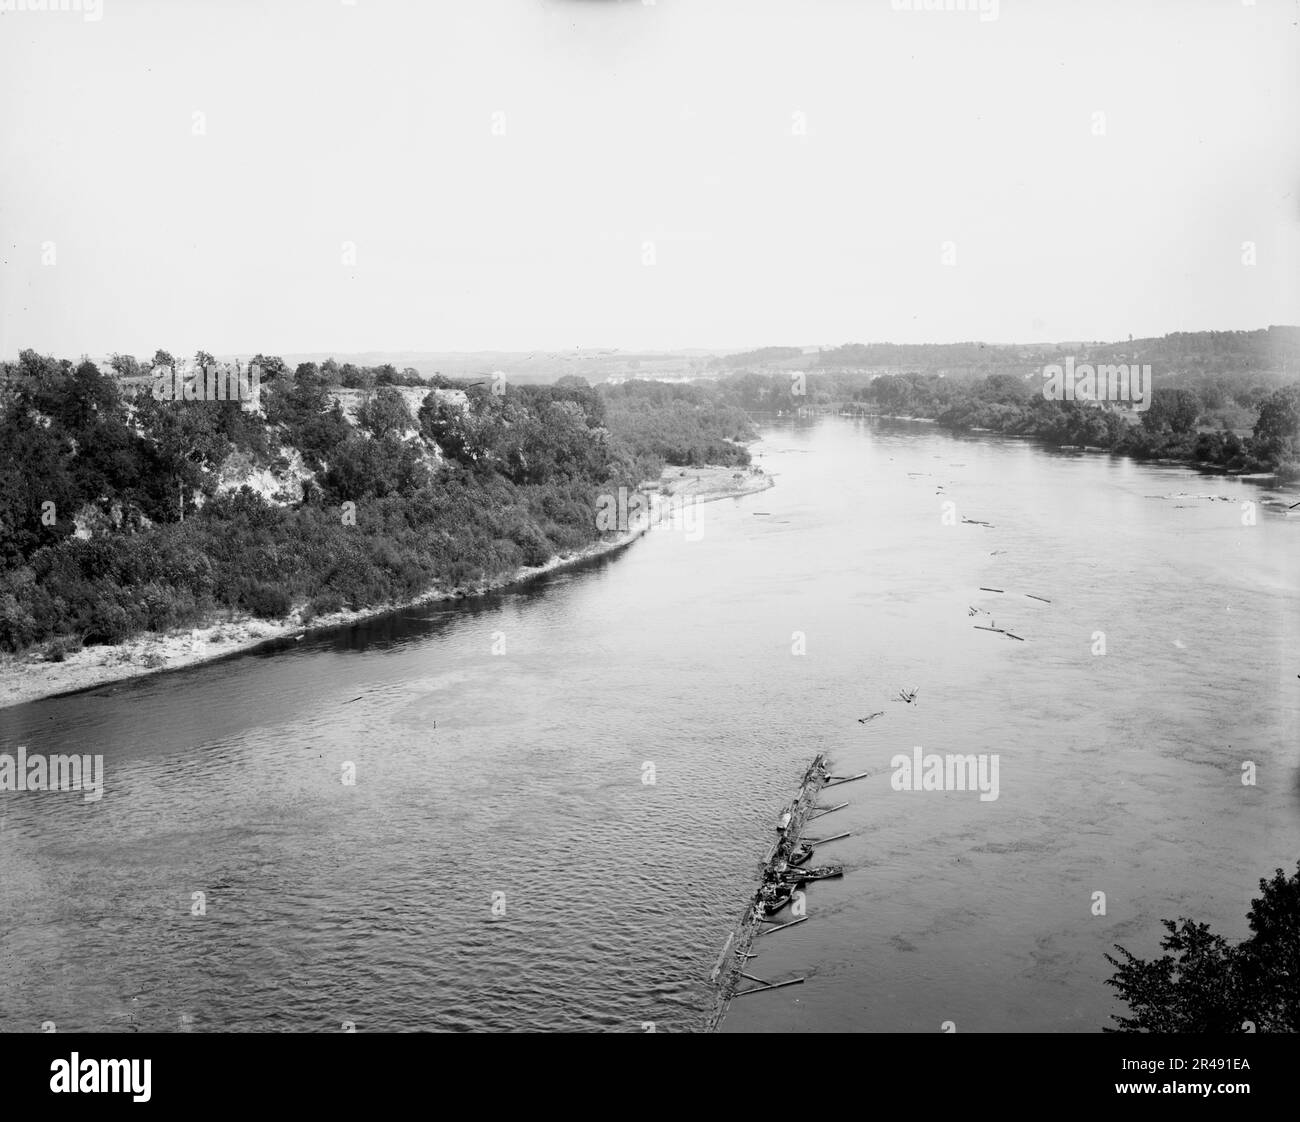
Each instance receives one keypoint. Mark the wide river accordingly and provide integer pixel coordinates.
(562, 792)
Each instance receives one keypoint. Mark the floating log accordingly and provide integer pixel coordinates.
(1010, 636)
(821, 812)
(781, 926)
(836, 780)
(773, 986)
(1044, 599)
(983, 589)
(871, 717)
(999, 630)
(717, 969)
(827, 841)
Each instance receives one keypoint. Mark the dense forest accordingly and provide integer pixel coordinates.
(120, 513)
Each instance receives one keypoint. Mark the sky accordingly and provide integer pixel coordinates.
(329, 176)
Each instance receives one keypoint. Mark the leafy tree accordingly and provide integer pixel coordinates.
(385, 413)
(271, 367)
(1209, 985)
(1278, 427)
(1177, 409)
(125, 366)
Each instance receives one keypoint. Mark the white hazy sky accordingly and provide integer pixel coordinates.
(675, 122)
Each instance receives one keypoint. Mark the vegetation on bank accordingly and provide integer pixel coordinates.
(121, 514)
(1228, 421)
(1207, 984)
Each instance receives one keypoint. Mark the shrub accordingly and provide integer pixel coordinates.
(61, 647)
(266, 601)
(324, 603)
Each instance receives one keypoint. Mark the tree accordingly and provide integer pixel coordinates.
(125, 366)
(1214, 986)
(1176, 408)
(385, 413)
(1279, 423)
(271, 366)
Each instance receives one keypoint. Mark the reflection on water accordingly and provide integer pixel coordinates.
(517, 777)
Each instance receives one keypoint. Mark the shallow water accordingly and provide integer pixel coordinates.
(521, 773)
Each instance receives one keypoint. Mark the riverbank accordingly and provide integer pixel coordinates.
(30, 676)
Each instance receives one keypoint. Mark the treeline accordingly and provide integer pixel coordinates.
(678, 423)
(1228, 421)
(121, 514)
(345, 375)
(1179, 424)
(1274, 349)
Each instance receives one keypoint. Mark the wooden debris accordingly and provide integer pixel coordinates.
(836, 780)
(782, 926)
(821, 812)
(773, 986)
(827, 841)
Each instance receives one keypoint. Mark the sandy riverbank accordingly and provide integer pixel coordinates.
(28, 676)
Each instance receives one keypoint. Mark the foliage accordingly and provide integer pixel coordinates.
(474, 486)
(1207, 984)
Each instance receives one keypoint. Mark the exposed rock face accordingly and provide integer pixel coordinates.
(352, 399)
(90, 520)
(281, 487)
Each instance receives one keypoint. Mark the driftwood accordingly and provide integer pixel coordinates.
(821, 812)
(782, 926)
(846, 834)
(836, 780)
(771, 986)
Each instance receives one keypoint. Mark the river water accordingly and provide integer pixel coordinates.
(562, 791)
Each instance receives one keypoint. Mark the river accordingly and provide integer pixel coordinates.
(562, 791)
